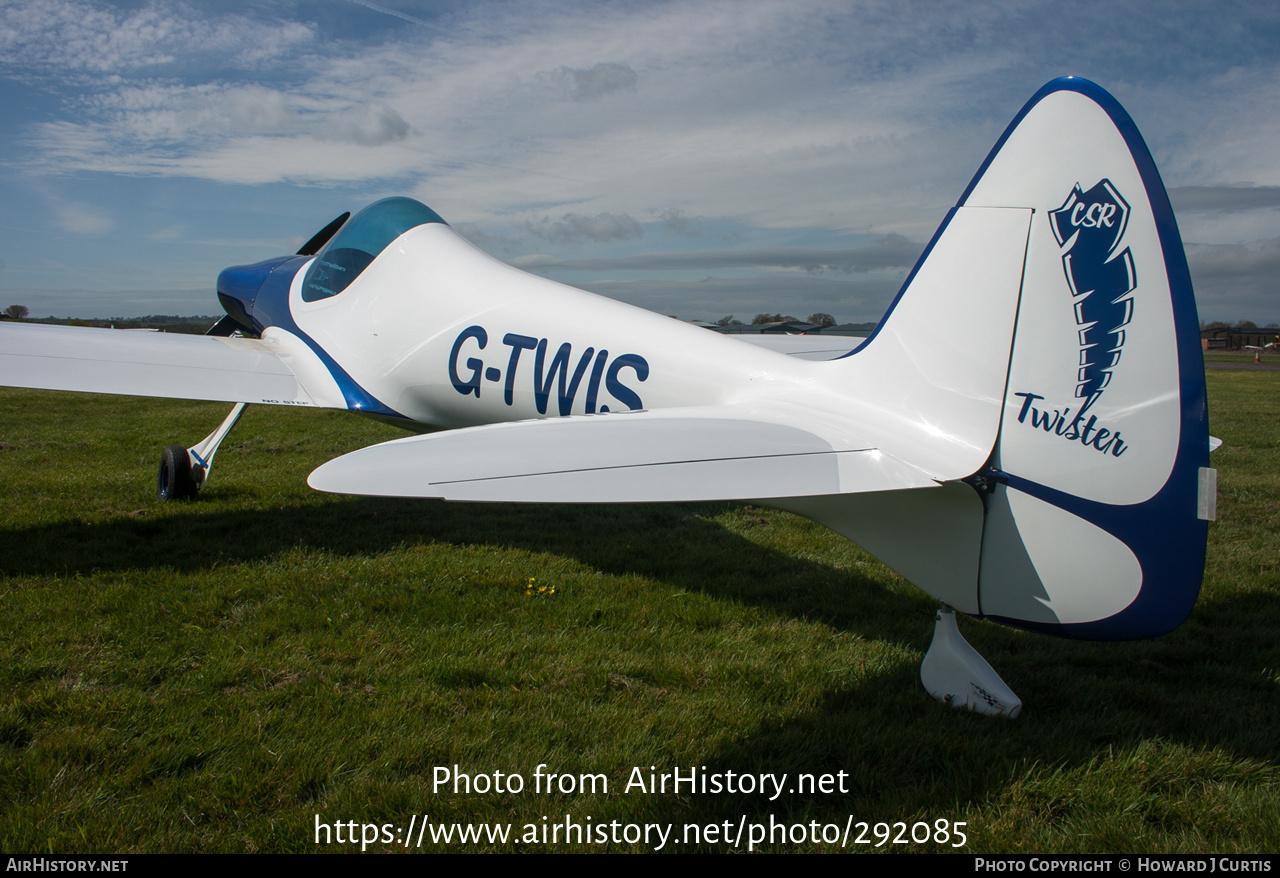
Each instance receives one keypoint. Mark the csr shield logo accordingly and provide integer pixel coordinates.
(1089, 227)
(1101, 278)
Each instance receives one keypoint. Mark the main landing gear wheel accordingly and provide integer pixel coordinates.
(183, 471)
(177, 480)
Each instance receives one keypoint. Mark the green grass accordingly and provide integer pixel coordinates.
(213, 675)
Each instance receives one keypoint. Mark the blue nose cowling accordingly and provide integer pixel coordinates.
(240, 286)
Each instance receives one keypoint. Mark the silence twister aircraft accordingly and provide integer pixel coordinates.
(1024, 437)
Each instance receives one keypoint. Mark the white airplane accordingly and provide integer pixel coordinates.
(1024, 437)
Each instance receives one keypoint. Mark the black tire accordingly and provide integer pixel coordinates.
(176, 481)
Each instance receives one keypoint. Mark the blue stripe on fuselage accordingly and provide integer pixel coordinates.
(267, 304)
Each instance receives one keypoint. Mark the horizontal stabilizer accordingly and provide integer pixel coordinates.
(140, 363)
(691, 454)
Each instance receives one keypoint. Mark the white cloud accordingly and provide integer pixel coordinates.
(676, 220)
(589, 84)
(256, 110)
(734, 108)
(572, 227)
(83, 220)
(50, 37)
(371, 125)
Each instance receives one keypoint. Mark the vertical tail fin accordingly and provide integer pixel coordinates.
(1091, 526)
(1046, 351)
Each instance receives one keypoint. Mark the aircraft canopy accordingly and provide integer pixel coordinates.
(359, 242)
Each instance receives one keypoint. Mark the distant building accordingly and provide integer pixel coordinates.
(1231, 339)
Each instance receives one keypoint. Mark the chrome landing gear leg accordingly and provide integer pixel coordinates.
(184, 470)
(955, 674)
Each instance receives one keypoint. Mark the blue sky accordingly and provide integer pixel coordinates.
(695, 158)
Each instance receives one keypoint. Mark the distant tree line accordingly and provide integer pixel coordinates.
(818, 319)
(1242, 325)
(165, 322)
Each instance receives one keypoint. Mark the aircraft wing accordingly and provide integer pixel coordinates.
(138, 363)
(682, 454)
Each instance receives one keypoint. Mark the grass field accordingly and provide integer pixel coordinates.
(211, 676)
